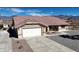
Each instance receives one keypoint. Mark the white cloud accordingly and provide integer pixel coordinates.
(5, 9)
(1, 8)
(32, 10)
(16, 10)
(51, 12)
(28, 11)
(39, 14)
(36, 12)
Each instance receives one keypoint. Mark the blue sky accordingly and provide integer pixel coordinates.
(39, 11)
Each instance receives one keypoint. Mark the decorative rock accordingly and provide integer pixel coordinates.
(20, 47)
(17, 42)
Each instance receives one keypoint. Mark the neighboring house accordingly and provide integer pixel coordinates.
(72, 20)
(1, 24)
(30, 26)
(6, 21)
(74, 24)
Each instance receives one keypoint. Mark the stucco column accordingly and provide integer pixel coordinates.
(47, 29)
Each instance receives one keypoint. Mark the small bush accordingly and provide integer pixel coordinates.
(1, 26)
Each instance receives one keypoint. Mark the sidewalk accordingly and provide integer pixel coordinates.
(56, 33)
(5, 42)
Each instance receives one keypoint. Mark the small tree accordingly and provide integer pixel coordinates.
(1, 26)
(12, 22)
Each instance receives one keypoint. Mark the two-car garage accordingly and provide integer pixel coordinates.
(31, 32)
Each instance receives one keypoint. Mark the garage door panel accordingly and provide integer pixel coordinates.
(32, 32)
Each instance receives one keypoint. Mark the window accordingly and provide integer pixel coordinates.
(53, 28)
(62, 26)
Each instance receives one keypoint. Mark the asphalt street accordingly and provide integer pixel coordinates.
(70, 43)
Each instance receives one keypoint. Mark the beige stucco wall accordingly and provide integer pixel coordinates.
(43, 30)
(20, 33)
(63, 29)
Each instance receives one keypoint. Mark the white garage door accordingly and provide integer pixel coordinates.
(32, 32)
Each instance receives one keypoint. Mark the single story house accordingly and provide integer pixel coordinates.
(30, 26)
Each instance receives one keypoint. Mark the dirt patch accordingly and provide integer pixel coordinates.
(20, 46)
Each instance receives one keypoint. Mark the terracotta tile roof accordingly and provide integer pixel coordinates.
(44, 20)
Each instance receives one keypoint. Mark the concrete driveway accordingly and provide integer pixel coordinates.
(43, 44)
